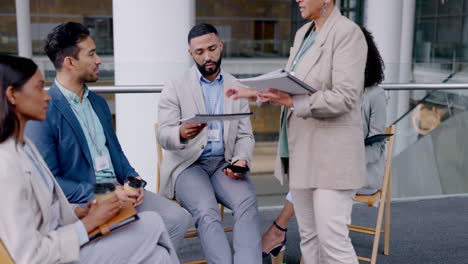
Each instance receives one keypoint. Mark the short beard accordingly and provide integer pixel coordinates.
(90, 79)
(205, 72)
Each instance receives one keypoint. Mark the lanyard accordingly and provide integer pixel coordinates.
(90, 128)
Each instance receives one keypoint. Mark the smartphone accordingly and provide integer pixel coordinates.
(237, 169)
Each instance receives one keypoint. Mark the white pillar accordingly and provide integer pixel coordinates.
(23, 28)
(406, 75)
(150, 46)
(383, 20)
(407, 35)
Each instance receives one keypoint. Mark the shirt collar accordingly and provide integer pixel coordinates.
(71, 96)
(218, 78)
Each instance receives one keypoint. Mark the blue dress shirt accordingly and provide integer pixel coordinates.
(213, 93)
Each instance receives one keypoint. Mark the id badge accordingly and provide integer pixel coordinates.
(214, 135)
(101, 163)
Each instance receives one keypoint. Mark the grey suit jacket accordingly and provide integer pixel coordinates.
(374, 119)
(325, 135)
(183, 98)
(25, 221)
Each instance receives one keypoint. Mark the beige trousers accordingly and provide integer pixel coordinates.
(323, 216)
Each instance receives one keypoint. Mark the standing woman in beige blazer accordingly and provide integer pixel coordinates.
(321, 135)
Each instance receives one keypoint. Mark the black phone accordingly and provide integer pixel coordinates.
(237, 169)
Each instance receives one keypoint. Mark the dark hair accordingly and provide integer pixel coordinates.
(14, 71)
(61, 42)
(374, 73)
(200, 30)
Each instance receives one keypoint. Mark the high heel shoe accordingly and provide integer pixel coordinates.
(280, 258)
(278, 248)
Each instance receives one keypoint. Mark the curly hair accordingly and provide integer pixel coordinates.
(374, 73)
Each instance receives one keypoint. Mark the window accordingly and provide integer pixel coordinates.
(440, 31)
(353, 9)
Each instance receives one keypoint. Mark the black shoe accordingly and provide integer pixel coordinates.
(277, 249)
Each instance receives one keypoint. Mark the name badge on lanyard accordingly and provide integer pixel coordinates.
(214, 134)
(101, 163)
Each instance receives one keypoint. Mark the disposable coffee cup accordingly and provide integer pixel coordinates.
(103, 191)
(133, 184)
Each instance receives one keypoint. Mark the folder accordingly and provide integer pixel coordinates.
(376, 138)
(205, 118)
(279, 80)
(128, 214)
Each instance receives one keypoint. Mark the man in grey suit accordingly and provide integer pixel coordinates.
(193, 169)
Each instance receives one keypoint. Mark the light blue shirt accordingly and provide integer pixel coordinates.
(213, 93)
(92, 129)
(283, 137)
(52, 197)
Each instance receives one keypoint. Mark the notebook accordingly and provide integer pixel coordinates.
(128, 214)
(205, 118)
(376, 138)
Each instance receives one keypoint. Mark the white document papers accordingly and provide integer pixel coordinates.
(279, 80)
(205, 118)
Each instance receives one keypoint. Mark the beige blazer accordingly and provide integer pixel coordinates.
(183, 98)
(325, 132)
(25, 215)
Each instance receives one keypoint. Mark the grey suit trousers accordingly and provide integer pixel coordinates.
(176, 218)
(145, 241)
(198, 189)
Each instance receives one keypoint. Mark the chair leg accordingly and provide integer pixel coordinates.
(302, 260)
(387, 225)
(221, 210)
(378, 227)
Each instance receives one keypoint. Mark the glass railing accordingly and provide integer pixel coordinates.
(431, 150)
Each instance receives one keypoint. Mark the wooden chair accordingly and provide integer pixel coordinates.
(5, 258)
(382, 196)
(191, 232)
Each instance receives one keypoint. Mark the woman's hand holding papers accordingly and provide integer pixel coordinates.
(236, 92)
(189, 131)
(274, 96)
(271, 96)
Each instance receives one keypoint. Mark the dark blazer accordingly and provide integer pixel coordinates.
(62, 143)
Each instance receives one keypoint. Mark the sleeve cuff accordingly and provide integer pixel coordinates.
(301, 105)
(178, 142)
(74, 206)
(81, 231)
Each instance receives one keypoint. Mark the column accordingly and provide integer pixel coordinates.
(23, 28)
(150, 47)
(405, 131)
(383, 20)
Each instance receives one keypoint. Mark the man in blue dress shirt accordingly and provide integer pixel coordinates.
(193, 169)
